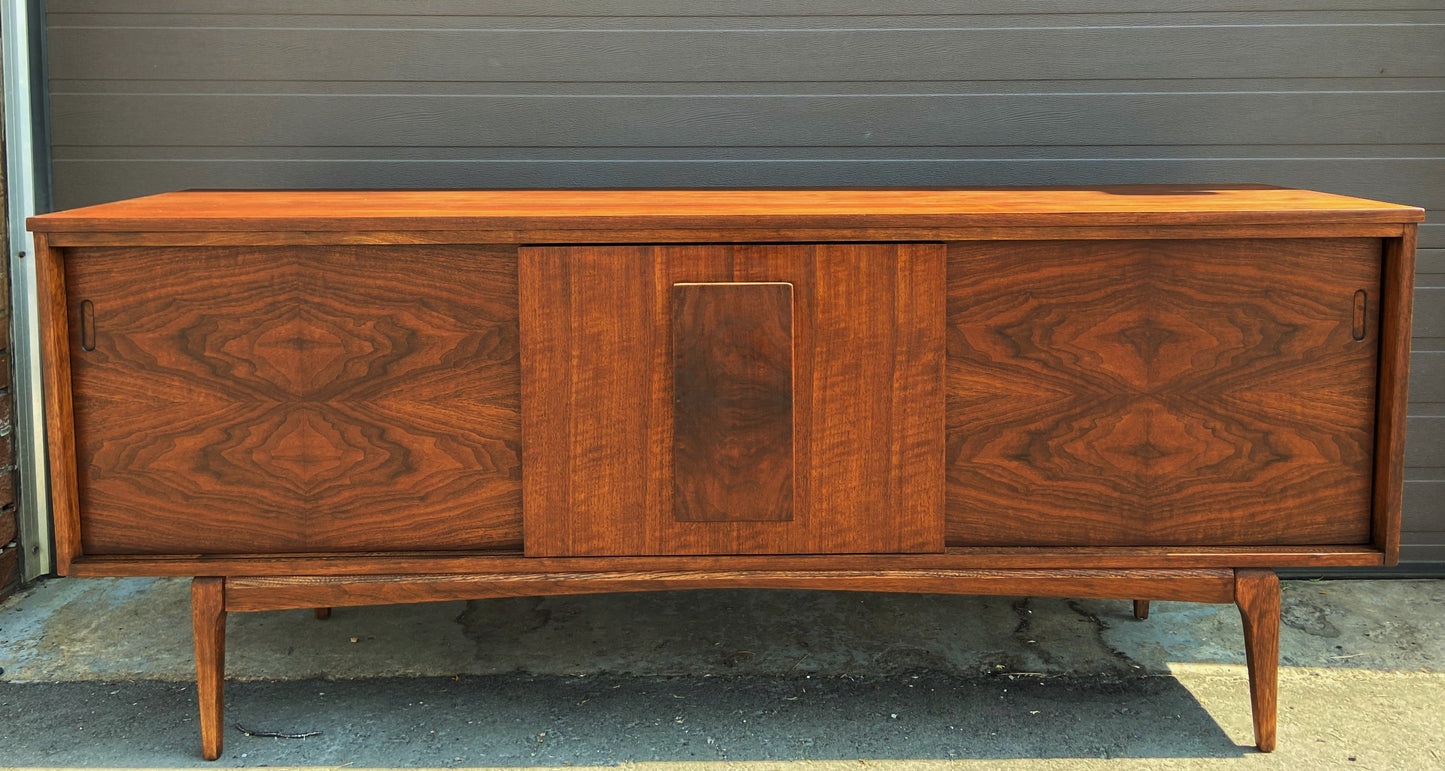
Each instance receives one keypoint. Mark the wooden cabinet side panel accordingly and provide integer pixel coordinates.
(1396, 315)
(1161, 392)
(59, 415)
(297, 399)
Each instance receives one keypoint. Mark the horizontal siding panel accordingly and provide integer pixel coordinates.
(591, 8)
(1423, 547)
(1430, 263)
(1026, 153)
(535, 89)
(1432, 235)
(767, 121)
(1314, 51)
(81, 183)
(1424, 507)
(1430, 313)
(1427, 377)
(961, 18)
(1425, 445)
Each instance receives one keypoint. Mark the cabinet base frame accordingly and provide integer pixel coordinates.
(1255, 591)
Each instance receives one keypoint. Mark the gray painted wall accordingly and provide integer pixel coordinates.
(153, 95)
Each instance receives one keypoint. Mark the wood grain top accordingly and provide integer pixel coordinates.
(346, 210)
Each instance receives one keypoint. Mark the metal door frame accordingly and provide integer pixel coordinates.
(27, 189)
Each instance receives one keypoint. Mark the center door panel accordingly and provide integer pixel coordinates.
(732, 399)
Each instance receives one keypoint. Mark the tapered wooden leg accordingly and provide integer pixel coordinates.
(1257, 594)
(322, 613)
(208, 620)
(1141, 609)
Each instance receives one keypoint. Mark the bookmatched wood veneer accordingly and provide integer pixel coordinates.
(353, 398)
(1162, 392)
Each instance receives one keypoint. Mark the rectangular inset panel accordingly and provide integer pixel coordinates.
(732, 374)
(1135, 393)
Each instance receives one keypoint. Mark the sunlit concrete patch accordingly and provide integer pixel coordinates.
(95, 629)
(1331, 717)
(1378, 625)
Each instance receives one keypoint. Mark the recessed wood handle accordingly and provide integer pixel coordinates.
(87, 325)
(1359, 328)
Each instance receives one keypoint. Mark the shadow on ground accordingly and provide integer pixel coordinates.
(516, 720)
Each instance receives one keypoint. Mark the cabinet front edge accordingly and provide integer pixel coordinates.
(514, 562)
(721, 235)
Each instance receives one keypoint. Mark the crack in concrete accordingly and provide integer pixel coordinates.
(1099, 627)
(1025, 635)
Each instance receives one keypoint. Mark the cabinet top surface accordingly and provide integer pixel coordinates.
(336, 210)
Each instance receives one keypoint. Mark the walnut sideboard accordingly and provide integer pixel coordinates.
(316, 399)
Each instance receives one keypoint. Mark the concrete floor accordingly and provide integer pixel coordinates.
(98, 672)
